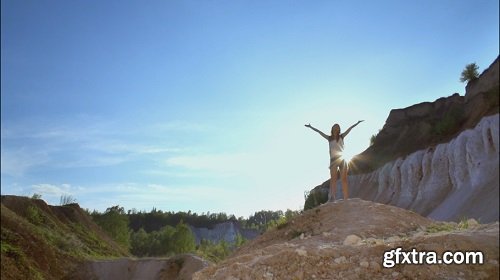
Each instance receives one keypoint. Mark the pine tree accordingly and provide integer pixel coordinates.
(469, 73)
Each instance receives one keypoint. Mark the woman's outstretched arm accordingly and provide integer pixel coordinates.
(349, 129)
(317, 130)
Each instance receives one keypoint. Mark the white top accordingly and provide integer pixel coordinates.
(336, 147)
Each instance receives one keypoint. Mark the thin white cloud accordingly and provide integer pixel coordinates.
(181, 126)
(92, 161)
(198, 198)
(56, 130)
(52, 193)
(165, 192)
(289, 161)
(133, 195)
(223, 164)
(175, 173)
(83, 142)
(15, 162)
(52, 190)
(128, 190)
(121, 147)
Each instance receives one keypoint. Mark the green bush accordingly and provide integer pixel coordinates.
(214, 252)
(33, 215)
(449, 123)
(373, 137)
(239, 240)
(492, 98)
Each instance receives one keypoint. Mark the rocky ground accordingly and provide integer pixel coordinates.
(347, 240)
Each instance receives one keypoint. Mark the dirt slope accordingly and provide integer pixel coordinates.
(40, 241)
(180, 267)
(347, 240)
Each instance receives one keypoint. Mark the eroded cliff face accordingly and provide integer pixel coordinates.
(487, 80)
(447, 182)
(224, 231)
(427, 124)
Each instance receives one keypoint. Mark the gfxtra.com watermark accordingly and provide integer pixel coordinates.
(398, 256)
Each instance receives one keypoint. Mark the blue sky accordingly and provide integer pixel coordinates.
(201, 105)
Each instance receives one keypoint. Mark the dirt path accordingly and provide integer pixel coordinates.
(178, 267)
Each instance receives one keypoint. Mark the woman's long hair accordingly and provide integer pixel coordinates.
(333, 136)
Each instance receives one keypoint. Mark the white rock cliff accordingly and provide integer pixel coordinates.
(451, 181)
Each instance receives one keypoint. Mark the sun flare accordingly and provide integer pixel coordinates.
(347, 155)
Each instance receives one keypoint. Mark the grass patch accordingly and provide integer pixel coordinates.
(440, 227)
(9, 249)
(449, 123)
(15, 253)
(92, 246)
(492, 97)
(33, 215)
(463, 224)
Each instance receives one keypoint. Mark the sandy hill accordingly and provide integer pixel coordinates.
(347, 240)
(40, 241)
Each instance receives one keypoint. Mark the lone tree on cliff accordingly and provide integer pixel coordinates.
(470, 73)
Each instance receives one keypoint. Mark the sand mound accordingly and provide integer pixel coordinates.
(347, 240)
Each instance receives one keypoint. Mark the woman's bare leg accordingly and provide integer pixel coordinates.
(343, 177)
(333, 182)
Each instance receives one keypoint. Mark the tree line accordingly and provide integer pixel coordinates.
(159, 233)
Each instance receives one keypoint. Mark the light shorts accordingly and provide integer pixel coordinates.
(337, 162)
